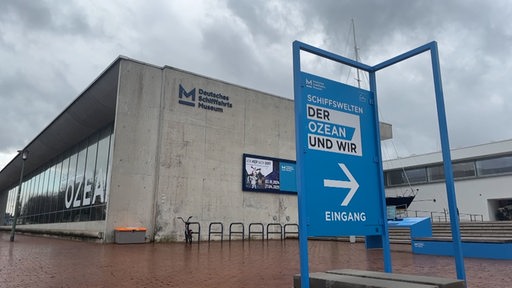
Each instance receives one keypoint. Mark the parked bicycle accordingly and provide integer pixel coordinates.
(188, 231)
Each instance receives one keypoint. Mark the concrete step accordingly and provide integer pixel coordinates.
(492, 231)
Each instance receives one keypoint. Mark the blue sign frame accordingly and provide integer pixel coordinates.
(302, 147)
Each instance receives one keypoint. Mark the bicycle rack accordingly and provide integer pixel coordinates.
(198, 230)
(291, 232)
(261, 232)
(236, 232)
(221, 232)
(280, 232)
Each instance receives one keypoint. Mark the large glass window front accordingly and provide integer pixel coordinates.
(496, 166)
(70, 188)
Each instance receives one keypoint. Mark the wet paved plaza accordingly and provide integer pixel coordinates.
(46, 262)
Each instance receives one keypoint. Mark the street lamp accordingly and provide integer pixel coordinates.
(24, 155)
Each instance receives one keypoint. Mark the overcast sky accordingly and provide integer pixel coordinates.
(50, 51)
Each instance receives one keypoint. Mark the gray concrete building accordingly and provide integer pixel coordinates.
(143, 145)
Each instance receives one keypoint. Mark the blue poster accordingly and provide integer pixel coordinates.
(288, 176)
(267, 174)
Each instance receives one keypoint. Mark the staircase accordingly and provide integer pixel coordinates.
(489, 231)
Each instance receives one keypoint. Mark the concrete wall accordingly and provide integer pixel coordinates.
(200, 164)
(171, 160)
(135, 148)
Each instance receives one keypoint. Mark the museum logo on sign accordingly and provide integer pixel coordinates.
(314, 84)
(208, 100)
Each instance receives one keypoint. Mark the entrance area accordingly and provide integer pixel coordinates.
(500, 209)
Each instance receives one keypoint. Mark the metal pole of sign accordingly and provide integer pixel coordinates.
(385, 233)
(24, 155)
(303, 233)
(448, 172)
(445, 145)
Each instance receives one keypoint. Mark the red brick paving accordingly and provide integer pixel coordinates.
(47, 262)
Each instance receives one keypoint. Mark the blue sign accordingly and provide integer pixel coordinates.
(333, 124)
(340, 168)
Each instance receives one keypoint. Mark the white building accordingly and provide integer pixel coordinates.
(483, 182)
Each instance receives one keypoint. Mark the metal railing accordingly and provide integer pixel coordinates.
(441, 216)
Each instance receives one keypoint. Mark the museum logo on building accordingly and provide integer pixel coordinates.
(203, 99)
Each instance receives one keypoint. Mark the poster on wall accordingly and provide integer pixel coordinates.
(267, 174)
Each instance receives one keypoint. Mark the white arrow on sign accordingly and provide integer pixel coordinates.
(351, 184)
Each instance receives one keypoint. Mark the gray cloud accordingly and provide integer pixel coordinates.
(40, 16)
(54, 51)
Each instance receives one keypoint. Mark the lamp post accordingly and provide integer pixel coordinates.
(24, 155)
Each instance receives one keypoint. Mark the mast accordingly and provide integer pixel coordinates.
(358, 79)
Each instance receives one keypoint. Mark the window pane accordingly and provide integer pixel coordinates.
(43, 209)
(62, 190)
(21, 208)
(9, 211)
(100, 178)
(494, 166)
(32, 206)
(32, 200)
(70, 188)
(90, 167)
(409, 176)
(41, 195)
(395, 177)
(418, 175)
(460, 170)
(47, 200)
(464, 169)
(436, 173)
(24, 196)
(79, 185)
(55, 192)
